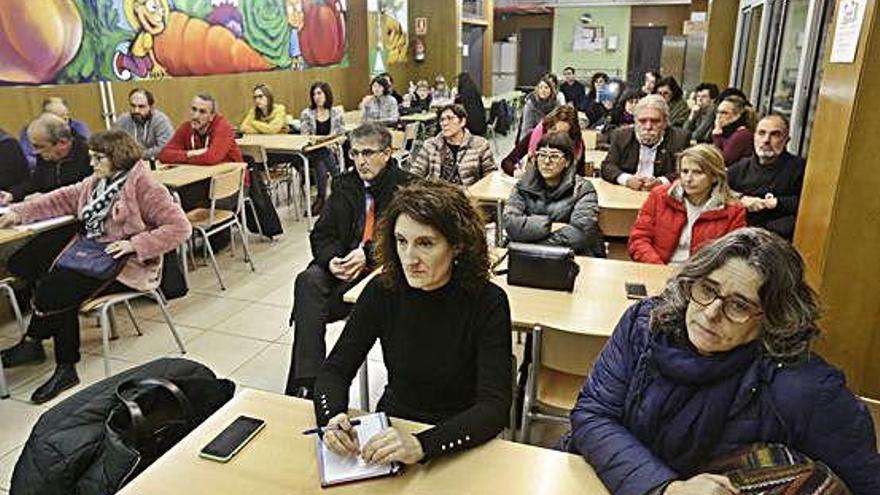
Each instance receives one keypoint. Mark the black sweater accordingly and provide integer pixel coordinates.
(48, 176)
(13, 166)
(783, 178)
(448, 355)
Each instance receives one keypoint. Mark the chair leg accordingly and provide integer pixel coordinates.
(4, 390)
(210, 251)
(256, 219)
(244, 245)
(137, 328)
(164, 308)
(114, 327)
(15, 309)
(364, 381)
(105, 337)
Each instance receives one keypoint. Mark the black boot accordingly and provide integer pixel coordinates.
(64, 377)
(26, 351)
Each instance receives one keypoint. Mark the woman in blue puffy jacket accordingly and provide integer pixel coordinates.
(720, 361)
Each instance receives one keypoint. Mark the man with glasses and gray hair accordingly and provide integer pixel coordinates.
(342, 246)
(206, 139)
(642, 157)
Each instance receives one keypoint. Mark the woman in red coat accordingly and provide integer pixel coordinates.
(677, 219)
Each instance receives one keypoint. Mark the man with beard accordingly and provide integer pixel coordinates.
(150, 127)
(342, 246)
(207, 139)
(770, 181)
(643, 156)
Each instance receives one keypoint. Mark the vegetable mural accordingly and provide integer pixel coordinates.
(387, 33)
(72, 41)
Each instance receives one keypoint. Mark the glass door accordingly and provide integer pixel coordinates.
(816, 39)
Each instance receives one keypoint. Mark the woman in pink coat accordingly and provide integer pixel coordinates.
(123, 208)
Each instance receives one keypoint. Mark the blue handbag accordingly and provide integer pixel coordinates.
(89, 257)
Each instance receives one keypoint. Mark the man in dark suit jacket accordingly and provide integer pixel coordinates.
(769, 182)
(342, 247)
(643, 156)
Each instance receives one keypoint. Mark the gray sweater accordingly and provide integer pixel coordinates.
(153, 135)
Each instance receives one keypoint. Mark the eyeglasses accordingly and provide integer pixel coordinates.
(550, 156)
(366, 153)
(97, 157)
(734, 307)
(257, 97)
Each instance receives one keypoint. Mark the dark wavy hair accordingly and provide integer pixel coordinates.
(270, 101)
(328, 94)
(790, 308)
(447, 209)
(671, 83)
(381, 81)
(119, 146)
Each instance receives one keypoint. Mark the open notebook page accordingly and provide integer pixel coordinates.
(337, 468)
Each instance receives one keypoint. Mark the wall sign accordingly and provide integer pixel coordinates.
(421, 26)
(848, 30)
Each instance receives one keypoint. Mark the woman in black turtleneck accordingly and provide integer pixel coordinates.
(444, 330)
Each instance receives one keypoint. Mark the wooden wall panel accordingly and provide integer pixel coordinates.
(21, 104)
(720, 37)
(671, 16)
(838, 227)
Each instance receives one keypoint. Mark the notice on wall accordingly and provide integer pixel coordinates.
(847, 31)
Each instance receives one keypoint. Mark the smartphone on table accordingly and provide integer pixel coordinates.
(636, 291)
(235, 436)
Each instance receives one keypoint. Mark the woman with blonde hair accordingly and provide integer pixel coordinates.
(678, 218)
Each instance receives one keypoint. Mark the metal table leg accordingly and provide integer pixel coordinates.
(308, 187)
(499, 229)
(364, 380)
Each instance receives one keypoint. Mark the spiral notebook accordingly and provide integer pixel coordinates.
(336, 469)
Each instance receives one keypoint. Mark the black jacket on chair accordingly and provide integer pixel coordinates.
(623, 154)
(341, 226)
(69, 449)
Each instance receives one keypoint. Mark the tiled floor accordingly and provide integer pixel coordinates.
(241, 333)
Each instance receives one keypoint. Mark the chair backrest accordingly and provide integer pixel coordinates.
(225, 185)
(411, 132)
(568, 352)
(397, 139)
(590, 137)
(255, 151)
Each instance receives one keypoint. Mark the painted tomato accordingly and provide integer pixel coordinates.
(322, 38)
(37, 39)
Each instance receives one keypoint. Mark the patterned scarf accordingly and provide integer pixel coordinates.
(449, 163)
(95, 212)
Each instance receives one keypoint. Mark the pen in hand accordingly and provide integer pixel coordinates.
(320, 430)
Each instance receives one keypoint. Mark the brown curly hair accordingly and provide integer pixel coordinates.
(119, 146)
(447, 209)
(564, 113)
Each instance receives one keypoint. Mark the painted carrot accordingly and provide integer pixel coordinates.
(192, 47)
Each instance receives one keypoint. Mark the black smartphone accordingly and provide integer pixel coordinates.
(225, 445)
(636, 291)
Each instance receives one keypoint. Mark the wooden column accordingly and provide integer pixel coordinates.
(838, 226)
(720, 36)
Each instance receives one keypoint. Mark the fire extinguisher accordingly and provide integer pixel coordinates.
(419, 50)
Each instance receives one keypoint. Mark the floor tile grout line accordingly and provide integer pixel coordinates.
(262, 349)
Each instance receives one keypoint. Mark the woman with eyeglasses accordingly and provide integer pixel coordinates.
(711, 388)
(266, 116)
(553, 205)
(678, 218)
(734, 128)
(454, 155)
(123, 209)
